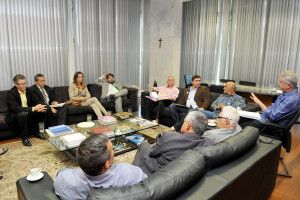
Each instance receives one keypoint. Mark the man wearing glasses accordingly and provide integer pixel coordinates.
(24, 110)
(227, 123)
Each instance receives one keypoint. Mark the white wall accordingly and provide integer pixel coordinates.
(165, 23)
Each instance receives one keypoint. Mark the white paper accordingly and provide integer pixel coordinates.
(154, 95)
(250, 115)
(57, 105)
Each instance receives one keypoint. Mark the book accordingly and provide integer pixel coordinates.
(136, 139)
(60, 130)
(124, 115)
(107, 120)
(103, 129)
(143, 122)
(250, 115)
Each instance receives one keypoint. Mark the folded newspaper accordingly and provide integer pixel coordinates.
(250, 115)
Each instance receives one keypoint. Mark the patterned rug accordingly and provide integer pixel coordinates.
(18, 161)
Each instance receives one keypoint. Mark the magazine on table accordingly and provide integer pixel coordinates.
(136, 139)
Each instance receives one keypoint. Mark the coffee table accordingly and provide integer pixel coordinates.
(125, 127)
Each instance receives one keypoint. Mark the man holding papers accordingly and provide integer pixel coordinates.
(46, 95)
(284, 108)
(167, 94)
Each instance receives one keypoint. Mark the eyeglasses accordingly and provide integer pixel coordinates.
(21, 83)
(222, 117)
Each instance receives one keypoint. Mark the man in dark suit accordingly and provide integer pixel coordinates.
(195, 97)
(24, 110)
(171, 145)
(46, 95)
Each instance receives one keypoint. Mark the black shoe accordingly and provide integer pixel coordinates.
(26, 142)
(111, 97)
(40, 135)
(1, 177)
(4, 150)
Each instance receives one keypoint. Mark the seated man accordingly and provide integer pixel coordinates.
(167, 92)
(195, 96)
(24, 111)
(171, 145)
(228, 98)
(46, 95)
(227, 124)
(112, 90)
(95, 157)
(284, 108)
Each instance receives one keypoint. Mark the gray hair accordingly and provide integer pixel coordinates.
(231, 114)
(18, 77)
(36, 77)
(290, 77)
(92, 154)
(171, 77)
(198, 121)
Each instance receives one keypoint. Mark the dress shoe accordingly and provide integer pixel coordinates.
(1, 177)
(40, 136)
(4, 150)
(26, 142)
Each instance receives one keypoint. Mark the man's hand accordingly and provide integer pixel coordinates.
(220, 106)
(53, 110)
(201, 108)
(54, 102)
(257, 101)
(40, 108)
(103, 76)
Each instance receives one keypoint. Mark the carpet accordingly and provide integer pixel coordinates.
(18, 161)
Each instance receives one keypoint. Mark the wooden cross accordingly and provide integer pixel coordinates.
(160, 40)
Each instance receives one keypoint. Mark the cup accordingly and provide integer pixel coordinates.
(41, 127)
(212, 122)
(89, 118)
(34, 172)
(130, 110)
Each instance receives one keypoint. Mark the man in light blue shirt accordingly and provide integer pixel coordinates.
(95, 157)
(284, 108)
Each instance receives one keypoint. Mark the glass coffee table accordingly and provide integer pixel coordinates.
(122, 129)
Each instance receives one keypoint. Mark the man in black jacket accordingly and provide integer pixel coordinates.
(24, 110)
(46, 95)
(171, 144)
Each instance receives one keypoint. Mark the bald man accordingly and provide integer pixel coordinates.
(229, 98)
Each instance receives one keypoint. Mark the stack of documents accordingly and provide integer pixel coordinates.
(250, 115)
(73, 140)
(107, 120)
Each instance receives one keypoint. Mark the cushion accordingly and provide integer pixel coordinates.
(61, 93)
(230, 148)
(95, 90)
(3, 102)
(167, 183)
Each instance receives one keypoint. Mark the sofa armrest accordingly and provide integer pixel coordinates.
(167, 183)
(133, 96)
(36, 190)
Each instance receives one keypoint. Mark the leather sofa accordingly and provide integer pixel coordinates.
(240, 167)
(76, 114)
(166, 117)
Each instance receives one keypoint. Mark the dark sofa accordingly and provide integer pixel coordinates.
(76, 114)
(240, 167)
(166, 117)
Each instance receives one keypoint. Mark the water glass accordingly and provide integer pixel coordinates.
(41, 127)
(89, 118)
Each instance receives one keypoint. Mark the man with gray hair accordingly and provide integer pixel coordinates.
(227, 123)
(171, 145)
(284, 108)
(95, 156)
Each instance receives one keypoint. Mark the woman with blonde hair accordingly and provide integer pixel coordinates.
(78, 91)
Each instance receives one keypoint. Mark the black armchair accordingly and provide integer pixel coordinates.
(285, 137)
(187, 80)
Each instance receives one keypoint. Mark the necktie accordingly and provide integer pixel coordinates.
(115, 86)
(44, 95)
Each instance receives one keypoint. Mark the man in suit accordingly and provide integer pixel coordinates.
(171, 145)
(24, 110)
(112, 90)
(195, 97)
(46, 95)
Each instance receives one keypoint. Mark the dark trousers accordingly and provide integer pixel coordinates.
(150, 105)
(28, 122)
(61, 116)
(175, 110)
(262, 128)
(141, 158)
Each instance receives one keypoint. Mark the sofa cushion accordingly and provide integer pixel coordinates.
(3, 124)
(167, 183)
(61, 93)
(95, 90)
(230, 148)
(3, 102)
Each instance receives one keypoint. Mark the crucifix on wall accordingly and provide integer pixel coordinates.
(160, 40)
